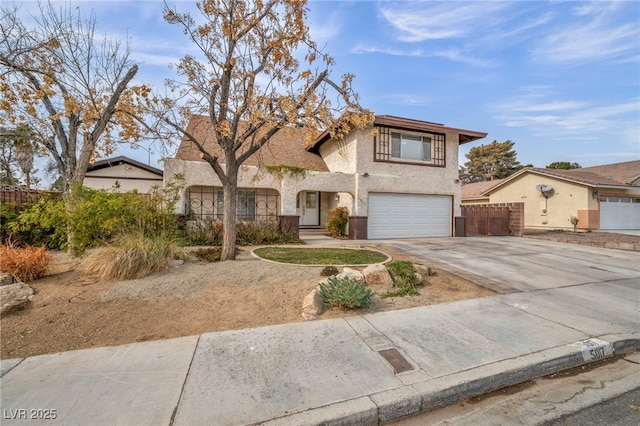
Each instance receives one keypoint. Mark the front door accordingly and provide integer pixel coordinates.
(309, 208)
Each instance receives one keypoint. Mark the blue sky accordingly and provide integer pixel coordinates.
(560, 79)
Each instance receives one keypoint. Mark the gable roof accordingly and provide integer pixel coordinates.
(616, 175)
(287, 147)
(580, 176)
(464, 136)
(116, 161)
(627, 172)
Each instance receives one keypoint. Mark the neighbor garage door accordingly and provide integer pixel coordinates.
(408, 216)
(619, 213)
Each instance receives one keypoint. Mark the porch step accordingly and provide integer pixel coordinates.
(313, 231)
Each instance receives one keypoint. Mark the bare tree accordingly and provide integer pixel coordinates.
(70, 88)
(249, 81)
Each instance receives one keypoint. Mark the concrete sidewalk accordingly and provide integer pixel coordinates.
(356, 370)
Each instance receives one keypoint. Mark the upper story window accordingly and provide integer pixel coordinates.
(392, 145)
(410, 147)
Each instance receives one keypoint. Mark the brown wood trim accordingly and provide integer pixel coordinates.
(410, 163)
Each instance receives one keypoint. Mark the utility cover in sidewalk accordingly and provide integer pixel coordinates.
(397, 361)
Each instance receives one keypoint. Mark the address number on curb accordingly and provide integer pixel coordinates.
(594, 349)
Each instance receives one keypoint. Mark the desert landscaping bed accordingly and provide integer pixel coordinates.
(73, 311)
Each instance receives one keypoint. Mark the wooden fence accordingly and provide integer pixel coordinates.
(14, 196)
(494, 219)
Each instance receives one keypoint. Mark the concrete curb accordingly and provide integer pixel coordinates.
(437, 393)
(359, 265)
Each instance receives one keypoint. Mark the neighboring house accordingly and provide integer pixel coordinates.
(122, 174)
(397, 182)
(601, 197)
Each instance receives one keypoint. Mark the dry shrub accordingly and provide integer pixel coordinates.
(132, 256)
(25, 263)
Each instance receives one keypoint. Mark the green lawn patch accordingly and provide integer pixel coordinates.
(320, 256)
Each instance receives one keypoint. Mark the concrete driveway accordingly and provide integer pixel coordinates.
(512, 264)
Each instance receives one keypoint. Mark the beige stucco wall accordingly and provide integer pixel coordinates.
(348, 162)
(201, 173)
(128, 178)
(565, 202)
(392, 177)
(341, 157)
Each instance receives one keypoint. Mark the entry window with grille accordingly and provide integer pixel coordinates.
(252, 204)
(408, 147)
(246, 204)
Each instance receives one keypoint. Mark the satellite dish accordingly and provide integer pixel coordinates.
(545, 190)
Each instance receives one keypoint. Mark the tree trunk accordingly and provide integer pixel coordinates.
(230, 188)
(70, 200)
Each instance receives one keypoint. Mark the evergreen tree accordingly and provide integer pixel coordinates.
(563, 165)
(496, 160)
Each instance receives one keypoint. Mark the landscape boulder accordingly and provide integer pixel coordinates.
(351, 273)
(312, 305)
(377, 275)
(14, 297)
(423, 271)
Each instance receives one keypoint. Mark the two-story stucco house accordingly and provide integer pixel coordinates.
(398, 180)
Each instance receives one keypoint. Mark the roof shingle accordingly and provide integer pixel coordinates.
(627, 172)
(287, 147)
(476, 189)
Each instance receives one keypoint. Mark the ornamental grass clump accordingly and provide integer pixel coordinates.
(25, 263)
(346, 293)
(132, 256)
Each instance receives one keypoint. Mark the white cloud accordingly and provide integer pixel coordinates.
(149, 58)
(457, 55)
(405, 100)
(420, 21)
(566, 121)
(525, 106)
(360, 49)
(599, 33)
(322, 32)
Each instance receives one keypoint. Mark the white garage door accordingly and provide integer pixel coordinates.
(619, 213)
(409, 216)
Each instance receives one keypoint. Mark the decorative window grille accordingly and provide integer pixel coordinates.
(409, 147)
